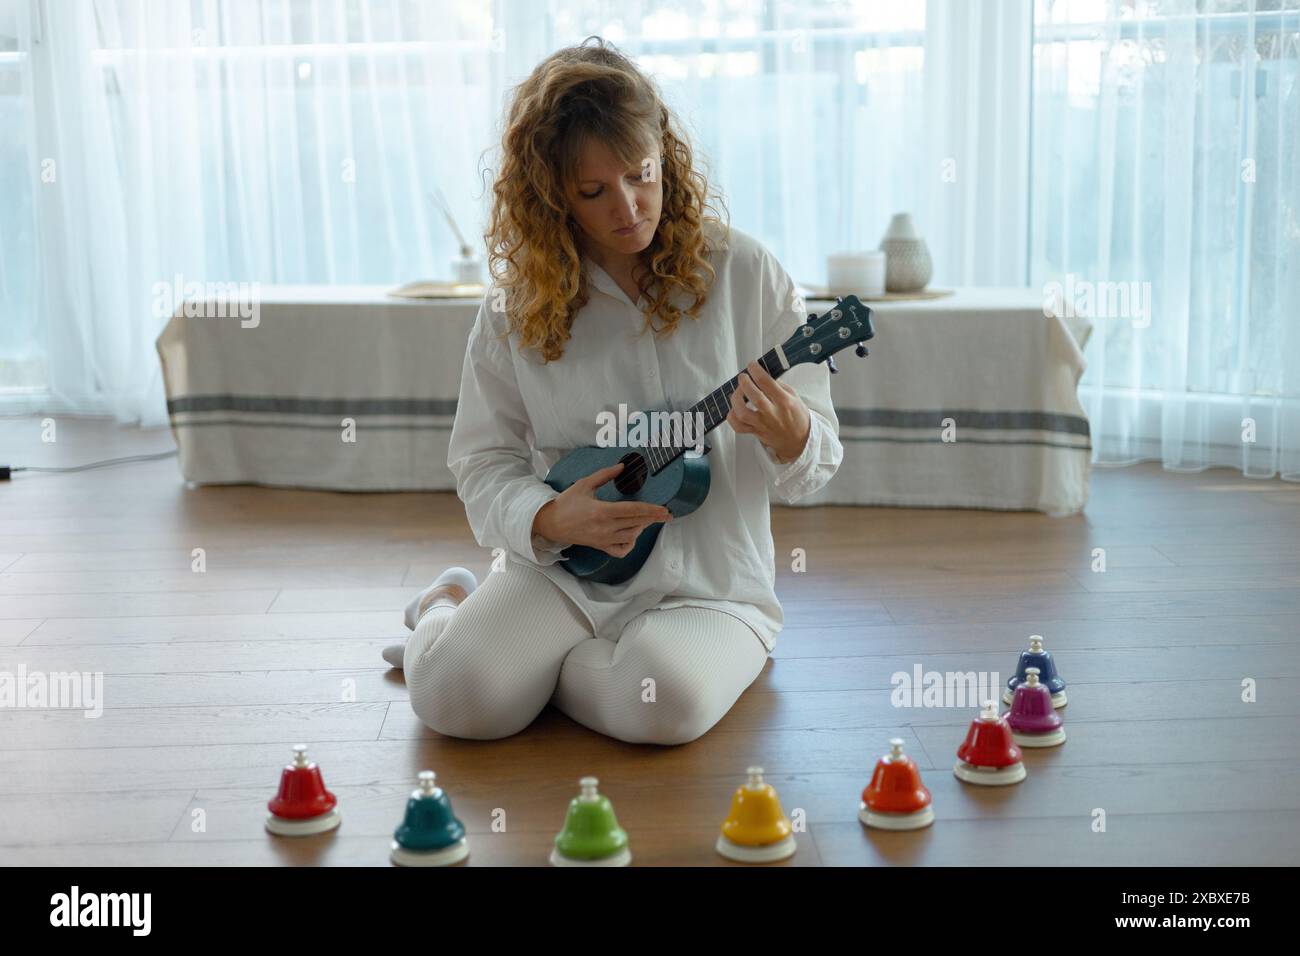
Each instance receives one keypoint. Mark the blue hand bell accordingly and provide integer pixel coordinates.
(430, 835)
(1037, 657)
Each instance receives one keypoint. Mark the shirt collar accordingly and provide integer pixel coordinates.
(603, 281)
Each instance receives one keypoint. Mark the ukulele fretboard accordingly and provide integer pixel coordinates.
(714, 409)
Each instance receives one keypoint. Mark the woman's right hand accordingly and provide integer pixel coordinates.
(577, 516)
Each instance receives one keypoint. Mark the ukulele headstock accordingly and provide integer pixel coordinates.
(818, 339)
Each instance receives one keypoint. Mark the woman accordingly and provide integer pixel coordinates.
(599, 237)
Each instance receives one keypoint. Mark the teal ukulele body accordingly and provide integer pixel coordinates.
(678, 478)
(681, 487)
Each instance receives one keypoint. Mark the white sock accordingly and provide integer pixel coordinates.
(394, 653)
(454, 575)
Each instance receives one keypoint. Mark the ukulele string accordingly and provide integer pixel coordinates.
(638, 470)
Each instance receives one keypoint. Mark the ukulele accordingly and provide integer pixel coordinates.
(674, 476)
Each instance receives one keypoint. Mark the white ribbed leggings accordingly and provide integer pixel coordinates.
(485, 669)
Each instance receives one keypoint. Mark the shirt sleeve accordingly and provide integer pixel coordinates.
(823, 452)
(490, 451)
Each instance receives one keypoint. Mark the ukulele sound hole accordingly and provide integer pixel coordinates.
(632, 478)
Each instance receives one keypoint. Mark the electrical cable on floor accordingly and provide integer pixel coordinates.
(6, 470)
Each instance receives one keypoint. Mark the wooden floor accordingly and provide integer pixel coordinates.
(210, 678)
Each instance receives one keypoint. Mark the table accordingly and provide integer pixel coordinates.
(966, 401)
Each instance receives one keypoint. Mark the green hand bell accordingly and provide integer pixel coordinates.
(430, 834)
(591, 834)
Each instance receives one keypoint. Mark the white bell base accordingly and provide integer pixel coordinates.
(896, 821)
(444, 857)
(780, 850)
(282, 826)
(1052, 739)
(989, 776)
(622, 858)
(1058, 700)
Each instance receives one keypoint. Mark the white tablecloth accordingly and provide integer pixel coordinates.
(965, 401)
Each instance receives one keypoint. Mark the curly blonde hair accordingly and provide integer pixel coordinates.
(533, 256)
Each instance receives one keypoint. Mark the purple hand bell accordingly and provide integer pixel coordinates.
(1034, 721)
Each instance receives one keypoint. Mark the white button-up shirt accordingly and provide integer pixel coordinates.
(517, 417)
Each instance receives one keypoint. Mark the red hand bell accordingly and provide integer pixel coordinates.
(302, 806)
(895, 799)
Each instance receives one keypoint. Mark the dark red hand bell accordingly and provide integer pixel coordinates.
(989, 756)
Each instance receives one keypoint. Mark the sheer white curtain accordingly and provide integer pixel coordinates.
(821, 119)
(209, 142)
(1166, 197)
(977, 107)
(297, 141)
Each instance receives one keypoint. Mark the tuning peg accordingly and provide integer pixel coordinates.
(830, 361)
(860, 351)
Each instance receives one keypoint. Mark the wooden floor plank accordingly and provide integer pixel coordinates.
(1116, 665)
(184, 579)
(197, 726)
(267, 689)
(293, 557)
(955, 610)
(128, 605)
(201, 657)
(833, 638)
(78, 819)
(208, 628)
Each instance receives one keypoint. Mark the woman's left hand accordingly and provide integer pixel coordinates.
(779, 417)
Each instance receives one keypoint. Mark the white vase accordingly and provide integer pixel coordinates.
(907, 260)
